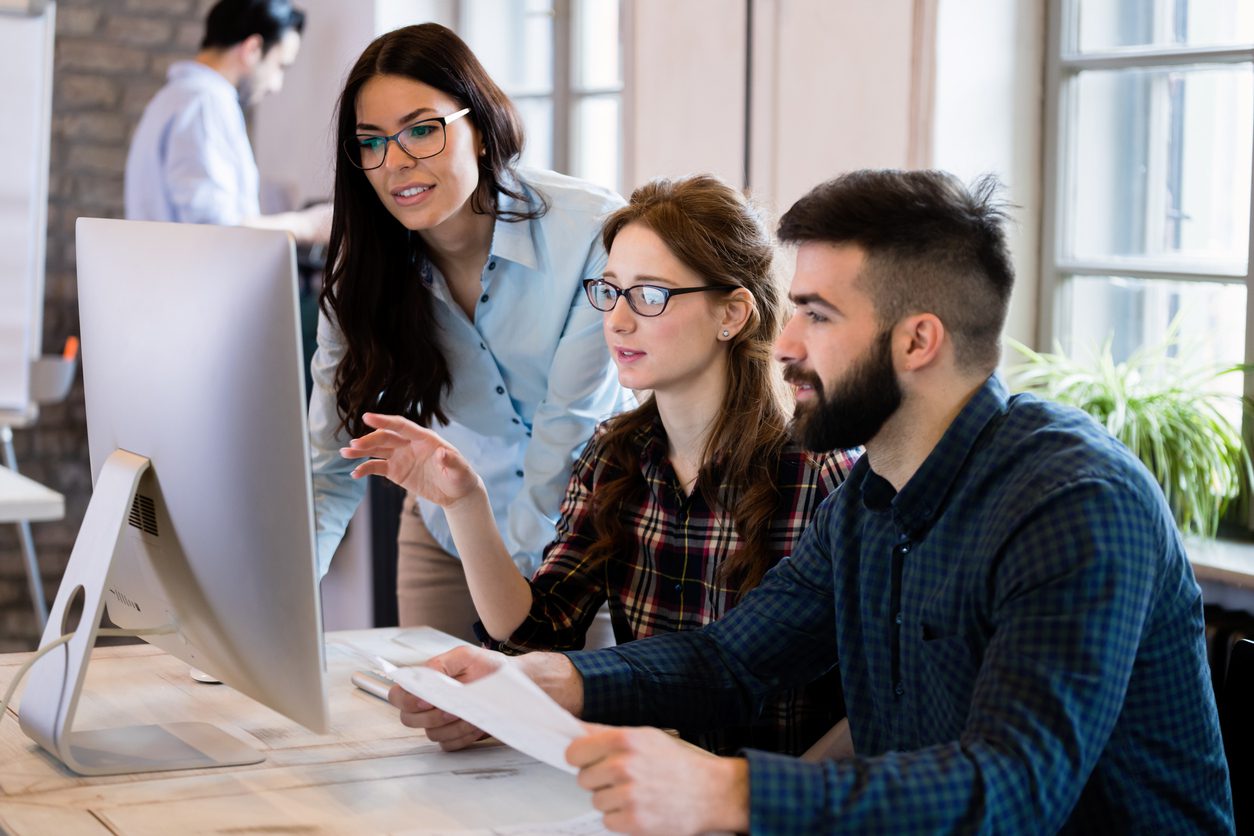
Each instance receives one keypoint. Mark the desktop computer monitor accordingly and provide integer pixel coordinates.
(201, 519)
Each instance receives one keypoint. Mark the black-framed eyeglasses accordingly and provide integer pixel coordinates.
(419, 140)
(644, 299)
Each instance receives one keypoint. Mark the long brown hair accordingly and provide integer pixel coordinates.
(714, 231)
(393, 360)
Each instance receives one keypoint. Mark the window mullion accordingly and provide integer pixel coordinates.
(563, 61)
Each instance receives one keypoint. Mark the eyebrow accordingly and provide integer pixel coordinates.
(408, 117)
(645, 279)
(811, 299)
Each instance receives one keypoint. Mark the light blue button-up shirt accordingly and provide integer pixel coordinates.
(531, 374)
(190, 160)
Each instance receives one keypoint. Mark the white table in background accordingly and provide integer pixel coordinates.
(24, 501)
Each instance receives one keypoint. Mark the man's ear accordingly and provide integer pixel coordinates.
(917, 342)
(737, 308)
(251, 50)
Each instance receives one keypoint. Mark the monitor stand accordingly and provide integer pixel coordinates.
(51, 696)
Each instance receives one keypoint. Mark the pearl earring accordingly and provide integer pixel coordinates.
(726, 333)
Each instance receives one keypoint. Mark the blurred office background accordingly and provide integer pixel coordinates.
(1121, 128)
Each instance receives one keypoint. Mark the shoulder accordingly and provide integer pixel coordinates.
(1054, 444)
(1039, 453)
(570, 196)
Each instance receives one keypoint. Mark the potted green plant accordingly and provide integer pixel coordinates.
(1165, 407)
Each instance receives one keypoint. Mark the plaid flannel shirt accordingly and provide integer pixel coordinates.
(1019, 635)
(665, 576)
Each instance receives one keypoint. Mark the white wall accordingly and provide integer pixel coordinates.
(989, 90)
(832, 94)
(831, 84)
(684, 83)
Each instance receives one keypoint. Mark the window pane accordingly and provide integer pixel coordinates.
(537, 116)
(1161, 166)
(598, 60)
(1107, 24)
(514, 41)
(1135, 313)
(596, 146)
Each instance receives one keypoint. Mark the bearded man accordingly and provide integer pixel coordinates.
(1017, 627)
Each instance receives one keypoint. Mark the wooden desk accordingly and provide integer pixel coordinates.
(369, 775)
(24, 499)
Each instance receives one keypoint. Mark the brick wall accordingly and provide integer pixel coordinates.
(110, 57)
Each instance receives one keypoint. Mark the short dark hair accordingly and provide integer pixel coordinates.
(231, 21)
(932, 245)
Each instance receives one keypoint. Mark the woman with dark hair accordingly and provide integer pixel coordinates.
(453, 297)
(677, 508)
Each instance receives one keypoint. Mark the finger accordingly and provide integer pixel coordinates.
(456, 733)
(459, 663)
(610, 799)
(428, 719)
(371, 467)
(462, 742)
(602, 774)
(377, 440)
(401, 426)
(595, 746)
(406, 701)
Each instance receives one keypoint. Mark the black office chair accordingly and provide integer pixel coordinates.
(1236, 717)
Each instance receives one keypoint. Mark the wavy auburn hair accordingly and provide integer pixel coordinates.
(393, 361)
(717, 233)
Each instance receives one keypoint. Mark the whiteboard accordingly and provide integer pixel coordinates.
(26, 38)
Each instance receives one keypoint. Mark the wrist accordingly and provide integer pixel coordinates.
(557, 677)
(472, 503)
(729, 796)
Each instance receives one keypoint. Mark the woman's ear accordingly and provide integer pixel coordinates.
(737, 308)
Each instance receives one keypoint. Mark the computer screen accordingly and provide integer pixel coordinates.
(201, 520)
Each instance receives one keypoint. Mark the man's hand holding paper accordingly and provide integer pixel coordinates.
(507, 702)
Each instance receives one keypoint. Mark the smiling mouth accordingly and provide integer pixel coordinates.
(412, 191)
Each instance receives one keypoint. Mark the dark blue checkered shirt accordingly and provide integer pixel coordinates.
(1019, 637)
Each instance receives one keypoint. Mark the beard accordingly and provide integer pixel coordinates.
(860, 403)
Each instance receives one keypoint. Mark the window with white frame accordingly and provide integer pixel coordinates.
(560, 61)
(1150, 122)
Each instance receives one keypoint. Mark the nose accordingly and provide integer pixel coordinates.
(620, 319)
(788, 345)
(394, 156)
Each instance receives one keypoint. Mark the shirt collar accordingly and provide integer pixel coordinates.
(200, 74)
(919, 501)
(512, 240)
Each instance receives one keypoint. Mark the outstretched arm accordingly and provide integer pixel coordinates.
(420, 461)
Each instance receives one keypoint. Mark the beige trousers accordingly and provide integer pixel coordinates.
(431, 586)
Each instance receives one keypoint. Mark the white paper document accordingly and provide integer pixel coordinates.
(505, 704)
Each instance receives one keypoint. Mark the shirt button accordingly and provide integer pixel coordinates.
(515, 420)
(483, 298)
(491, 265)
(518, 473)
(679, 587)
(904, 548)
(484, 347)
(898, 618)
(500, 390)
(899, 689)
